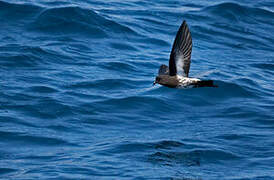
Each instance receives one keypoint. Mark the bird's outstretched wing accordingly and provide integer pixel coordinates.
(179, 62)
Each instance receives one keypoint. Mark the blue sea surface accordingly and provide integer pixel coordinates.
(77, 101)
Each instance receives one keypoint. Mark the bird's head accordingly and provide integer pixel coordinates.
(166, 80)
(157, 80)
(161, 79)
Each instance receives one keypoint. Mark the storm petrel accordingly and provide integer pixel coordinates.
(176, 75)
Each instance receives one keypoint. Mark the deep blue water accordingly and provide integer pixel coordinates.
(77, 101)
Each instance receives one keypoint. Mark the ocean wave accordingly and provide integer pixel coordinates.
(123, 67)
(63, 20)
(39, 107)
(264, 66)
(235, 21)
(18, 60)
(236, 12)
(146, 146)
(252, 177)
(113, 83)
(191, 158)
(76, 20)
(233, 25)
(25, 9)
(122, 46)
(139, 101)
(27, 56)
(16, 137)
(4, 171)
(42, 89)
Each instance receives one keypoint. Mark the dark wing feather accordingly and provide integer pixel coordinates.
(179, 62)
(163, 70)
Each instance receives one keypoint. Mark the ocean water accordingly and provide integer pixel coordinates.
(77, 101)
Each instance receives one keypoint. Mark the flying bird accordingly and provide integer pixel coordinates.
(176, 75)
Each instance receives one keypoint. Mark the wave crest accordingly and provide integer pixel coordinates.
(76, 20)
(234, 11)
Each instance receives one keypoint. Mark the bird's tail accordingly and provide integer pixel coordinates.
(206, 83)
